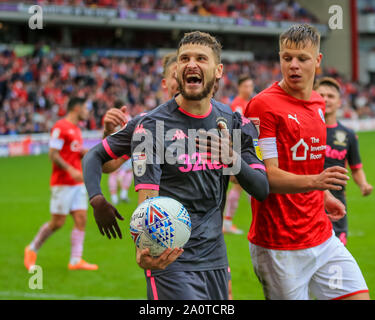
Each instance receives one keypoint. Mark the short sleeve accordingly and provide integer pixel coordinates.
(57, 138)
(118, 144)
(146, 156)
(262, 117)
(354, 158)
(250, 150)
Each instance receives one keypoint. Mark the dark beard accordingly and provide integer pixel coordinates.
(195, 97)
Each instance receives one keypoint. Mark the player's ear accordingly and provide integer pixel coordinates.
(319, 59)
(164, 83)
(219, 71)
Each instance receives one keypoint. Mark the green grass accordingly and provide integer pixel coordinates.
(24, 203)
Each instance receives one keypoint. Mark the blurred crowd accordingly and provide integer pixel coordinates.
(366, 6)
(34, 89)
(255, 10)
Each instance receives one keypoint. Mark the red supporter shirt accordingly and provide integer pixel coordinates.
(66, 137)
(239, 105)
(291, 221)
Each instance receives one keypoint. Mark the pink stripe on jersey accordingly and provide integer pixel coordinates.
(126, 157)
(153, 285)
(195, 115)
(258, 166)
(108, 149)
(356, 166)
(332, 125)
(146, 186)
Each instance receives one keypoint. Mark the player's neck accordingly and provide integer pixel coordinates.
(244, 97)
(196, 107)
(330, 119)
(302, 94)
(73, 118)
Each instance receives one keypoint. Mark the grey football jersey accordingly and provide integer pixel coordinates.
(198, 184)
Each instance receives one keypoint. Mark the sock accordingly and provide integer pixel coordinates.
(232, 203)
(44, 232)
(77, 238)
(126, 180)
(114, 199)
(124, 194)
(112, 182)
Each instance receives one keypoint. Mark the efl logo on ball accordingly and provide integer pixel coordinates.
(159, 223)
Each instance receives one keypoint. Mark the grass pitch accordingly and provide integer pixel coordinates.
(24, 203)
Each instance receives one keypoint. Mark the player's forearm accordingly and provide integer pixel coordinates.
(92, 169)
(112, 165)
(253, 181)
(58, 160)
(285, 182)
(144, 194)
(359, 177)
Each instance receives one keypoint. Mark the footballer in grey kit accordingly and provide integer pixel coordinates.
(168, 160)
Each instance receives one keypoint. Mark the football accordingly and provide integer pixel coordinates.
(159, 223)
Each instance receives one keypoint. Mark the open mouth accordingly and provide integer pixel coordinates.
(193, 79)
(295, 77)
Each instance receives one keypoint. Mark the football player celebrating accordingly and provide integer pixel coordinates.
(292, 244)
(200, 270)
(342, 148)
(67, 188)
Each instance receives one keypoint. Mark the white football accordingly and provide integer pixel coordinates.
(159, 223)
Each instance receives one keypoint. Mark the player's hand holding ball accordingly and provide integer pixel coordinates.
(105, 216)
(146, 261)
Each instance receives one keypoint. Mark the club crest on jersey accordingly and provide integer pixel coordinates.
(257, 149)
(223, 122)
(139, 163)
(340, 138)
(320, 111)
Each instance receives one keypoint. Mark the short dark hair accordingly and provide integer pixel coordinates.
(243, 78)
(74, 101)
(118, 104)
(329, 82)
(300, 35)
(202, 38)
(168, 60)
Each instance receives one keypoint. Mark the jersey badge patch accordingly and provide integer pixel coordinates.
(139, 163)
(257, 149)
(340, 138)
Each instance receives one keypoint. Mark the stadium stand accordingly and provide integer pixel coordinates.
(34, 90)
(258, 10)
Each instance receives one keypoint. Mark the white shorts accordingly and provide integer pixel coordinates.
(327, 271)
(65, 199)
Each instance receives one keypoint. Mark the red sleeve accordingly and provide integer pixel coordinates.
(263, 118)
